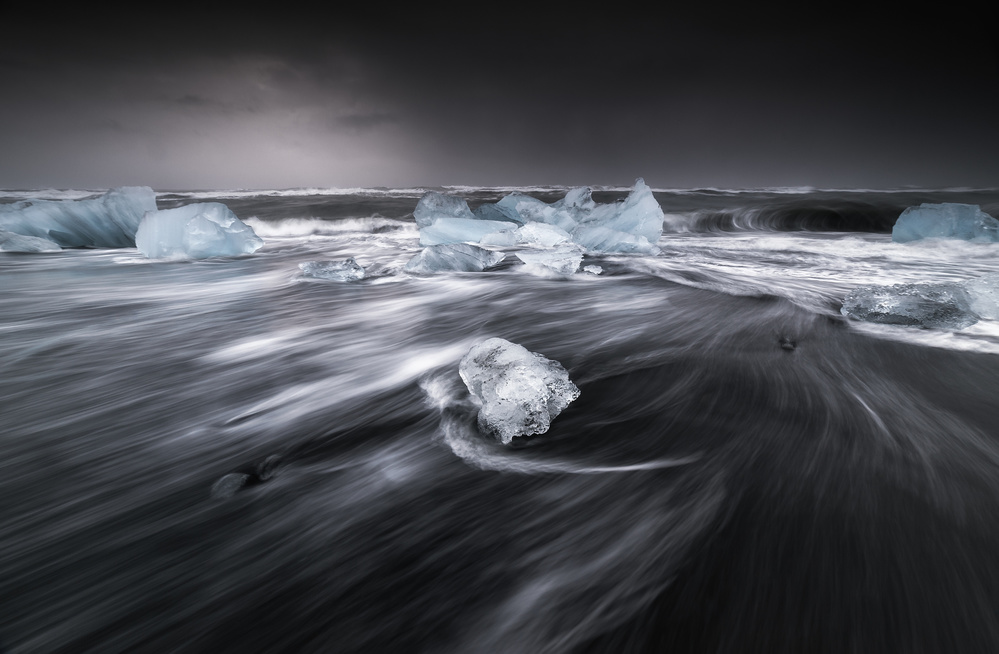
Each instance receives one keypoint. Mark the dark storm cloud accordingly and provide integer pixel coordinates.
(701, 97)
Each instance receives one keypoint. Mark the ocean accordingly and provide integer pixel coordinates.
(745, 469)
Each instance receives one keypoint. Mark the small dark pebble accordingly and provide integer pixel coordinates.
(244, 477)
(265, 470)
(229, 485)
(787, 343)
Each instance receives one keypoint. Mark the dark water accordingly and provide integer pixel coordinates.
(710, 490)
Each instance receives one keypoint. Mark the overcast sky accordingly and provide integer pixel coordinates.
(700, 98)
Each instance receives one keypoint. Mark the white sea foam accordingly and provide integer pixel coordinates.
(297, 227)
(231, 194)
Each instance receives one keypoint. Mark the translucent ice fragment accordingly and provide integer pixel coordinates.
(984, 295)
(110, 220)
(947, 220)
(434, 205)
(542, 235)
(604, 239)
(593, 270)
(346, 270)
(500, 239)
(11, 242)
(578, 201)
(631, 225)
(563, 260)
(195, 231)
(926, 305)
(525, 209)
(453, 256)
(461, 230)
(491, 211)
(520, 391)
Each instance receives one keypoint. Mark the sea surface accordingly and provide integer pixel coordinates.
(709, 491)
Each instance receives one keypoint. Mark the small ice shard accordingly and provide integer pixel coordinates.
(947, 220)
(346, 270)
(563, 260)
(461, 230)
(195, 231)
(520, 391)
(11, 242)
(434, 205)
(593, 270)
(542, 235)
(984, 294)
(944, 305)
(459, 257)
(110, 220)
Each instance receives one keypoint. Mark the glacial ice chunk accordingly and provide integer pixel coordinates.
(434, 205)
(496, 211)
(453, 256)
(578, 201)
(605, 239)
(461, 230)
(944, 305)
(563, 260)
(110, 220)
(500, 239)
(638, 214)
(946, 220)
(195, 231)
(525, 209)
(520, 391)
(631, 225)
(984, 295)
(593, 270)
(11, 242)
(542, 235)
(346, 270)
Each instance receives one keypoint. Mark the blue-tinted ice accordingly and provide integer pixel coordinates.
(346, 270)
(632, 225)
(195, 231)
(542, 235)
(459, 257)
(563, 260)
(946, 220)
(434, 205)
(945, 305)
(11, 242)
(461, 230)
(520, 391)
(108, 221)
(984, 295)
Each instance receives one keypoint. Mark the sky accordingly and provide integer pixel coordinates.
(687, 98)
